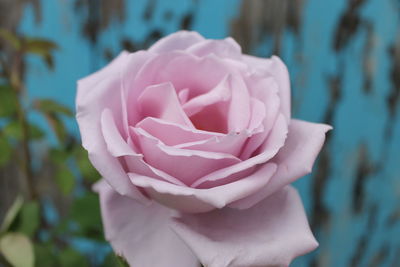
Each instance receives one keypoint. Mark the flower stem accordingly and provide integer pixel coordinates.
(16, 82)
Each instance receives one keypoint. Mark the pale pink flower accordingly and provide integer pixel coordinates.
(197, 148)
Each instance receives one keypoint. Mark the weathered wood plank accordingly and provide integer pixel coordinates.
(344, 58)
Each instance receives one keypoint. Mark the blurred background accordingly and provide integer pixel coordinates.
(344, 61)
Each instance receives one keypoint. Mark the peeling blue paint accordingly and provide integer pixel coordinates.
(359, 118)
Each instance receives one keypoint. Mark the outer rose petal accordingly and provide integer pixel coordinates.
(93, 96)
(294, 160)
(177, 41)
(227, 47)
(141, 233)
(119, 148)
(193, 200)
(272, 233)
(97, 92)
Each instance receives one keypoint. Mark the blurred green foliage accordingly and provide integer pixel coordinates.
(32, 233)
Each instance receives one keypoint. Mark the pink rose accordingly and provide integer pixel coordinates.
(204, 130)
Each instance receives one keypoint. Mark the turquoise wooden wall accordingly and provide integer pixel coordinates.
(344, 60)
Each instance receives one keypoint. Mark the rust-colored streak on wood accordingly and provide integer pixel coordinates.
(393, 99)
(11, 12)
(364, 170)
(270, 18)
(368, 59)
(99, 14)
(349, 24)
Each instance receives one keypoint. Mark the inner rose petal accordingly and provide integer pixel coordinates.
(269, 149)
(225, 108)
(177, 133)
(174, 161)
(220, 93)
(231, 143)
(183, 70)
(183, 95)
(266, 92)
(161, 101)
(212, 118)
(180, 136)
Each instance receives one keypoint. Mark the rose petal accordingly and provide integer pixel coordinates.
(169, 159)
(274, 142)
(139, 232)
(227, 47)
(239, 108)
(116, 145)
(228, 144)
(281, 74)
(161, 101)
(133, 64)
(177, 134)
(220, 93)
(275, 68)
(194, 200)
(183, 137)
(294, 160)
(183, 95)
(272, 233)
(96, 88)
(180, 40)
(183, 70)
(119, 148)
(225, 108)
(97, 92)
(258, 112)
(137, 165)
(266, 91)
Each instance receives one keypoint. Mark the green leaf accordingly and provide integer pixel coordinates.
(29, 218)
(5, 151)
(57, 125)
(58, 156)
(70, 257)
(65, 180)
(8, 101)
(35, 133)
(17, 249)
(86, 168)
(11, 38)
(42, 48)
(12, 213)
(113, 260)
(51, 111)
(45, 255)
(51, 106)
(14, 130)
(39, 46)
(48, 59)
(85, 211)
